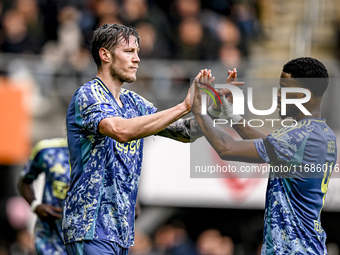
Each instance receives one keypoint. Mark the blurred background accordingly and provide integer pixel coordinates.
(44, 58)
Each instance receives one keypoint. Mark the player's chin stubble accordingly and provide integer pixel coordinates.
(123, 77)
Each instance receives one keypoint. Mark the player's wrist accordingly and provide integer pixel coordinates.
(216, 108)
(227, 111)
(34, 205)
(183, 107)
(213, 112)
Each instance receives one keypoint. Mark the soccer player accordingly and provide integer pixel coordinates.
(292, 223)
(105, 127)
(51, 157)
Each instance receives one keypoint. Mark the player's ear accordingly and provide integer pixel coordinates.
(105, 55)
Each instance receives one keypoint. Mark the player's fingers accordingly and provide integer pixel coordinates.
(198, 83)
(237, 83)
(201, 80)
(230, 77)
(56, 209)
(199, 75)
(57, 215)
(51, 212)
(207, 78)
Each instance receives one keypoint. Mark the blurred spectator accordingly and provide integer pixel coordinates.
(211, 242)
(208, 242)
(152, 45)
(243, 14)
(65, 59)
(15, 238)
(69, 34)
(143, 245)
(15, 38)
(33, 19)
(227, 246)
(18, 216)
(135, 12)
(227, 32)
(193, 31)
(181, 9)
(173, 239)
(70, 43)
(23, 245)
(230, 56)
(87, 20)
(193, 42)
(164, 239)
(107, 12)
(229, 35)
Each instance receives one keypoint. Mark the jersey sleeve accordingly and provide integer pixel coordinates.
(148, 107)
(94, 106)
(35, 165)
(280, 147)
(144, 106)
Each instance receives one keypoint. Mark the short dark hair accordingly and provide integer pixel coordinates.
(307, 67)
(108, 36)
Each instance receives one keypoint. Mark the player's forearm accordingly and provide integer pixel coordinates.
(26, 191)
(184, 130)
(225, 145)
(125, 130)
(217, 137)
(246, 131)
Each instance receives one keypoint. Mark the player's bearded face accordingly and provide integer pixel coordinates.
(125, 61)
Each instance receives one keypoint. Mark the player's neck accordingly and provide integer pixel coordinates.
(315, 114)
(112, 84)
(314, 107)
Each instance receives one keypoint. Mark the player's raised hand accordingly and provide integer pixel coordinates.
(190, 95)
(202, 81)
(227, 97)
(232, 80)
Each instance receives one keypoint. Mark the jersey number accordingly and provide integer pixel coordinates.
(326, 177)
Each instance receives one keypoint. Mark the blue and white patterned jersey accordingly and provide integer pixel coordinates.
(104, 173)
(51, 157)
(295, 196)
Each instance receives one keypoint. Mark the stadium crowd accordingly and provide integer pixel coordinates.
(172, 29)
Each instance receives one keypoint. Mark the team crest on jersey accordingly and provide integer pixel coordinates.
(317, 226)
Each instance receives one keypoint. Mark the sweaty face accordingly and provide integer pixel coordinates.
(125, 61)
(292, 110)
